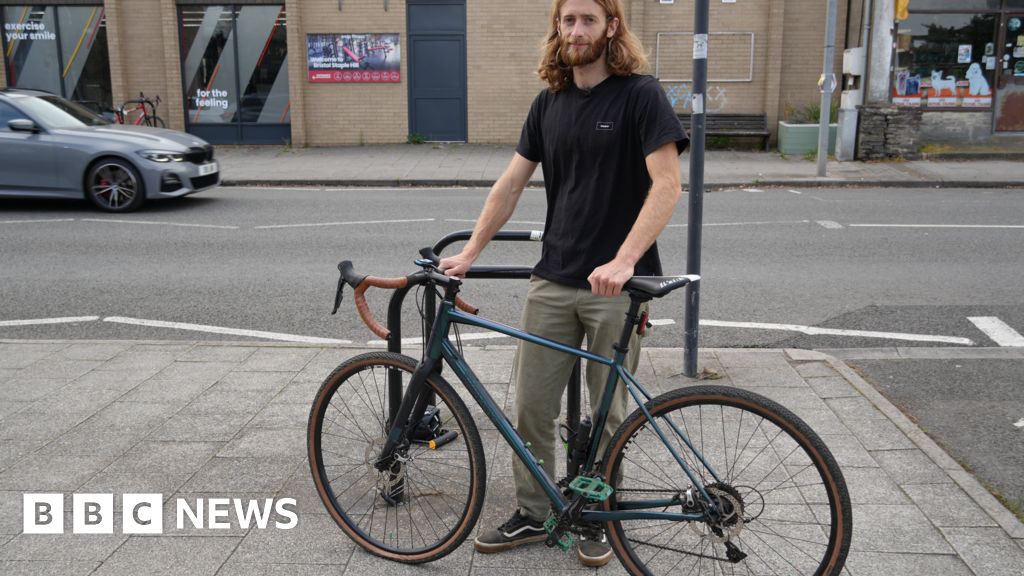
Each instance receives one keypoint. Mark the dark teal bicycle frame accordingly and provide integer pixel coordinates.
(440, 347)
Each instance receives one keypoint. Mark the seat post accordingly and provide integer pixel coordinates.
(632, 320)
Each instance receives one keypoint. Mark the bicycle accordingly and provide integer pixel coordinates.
(704, 479)
(143, 114)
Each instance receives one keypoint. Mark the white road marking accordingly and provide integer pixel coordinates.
(40, 221)
(151, 223)
(662, 322)
(831, 225)
(815, 331)
(222, 330)
(40, 321)
(1000, 332)
(415, 341)
(353, 223)
(796, 192)
(1019, 423)
(753, 190)
(991, 226)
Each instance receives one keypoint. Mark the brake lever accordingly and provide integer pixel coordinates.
(339, 295)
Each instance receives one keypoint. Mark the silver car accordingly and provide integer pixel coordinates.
(53, 148)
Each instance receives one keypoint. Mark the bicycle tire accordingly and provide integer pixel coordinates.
(775, 470)
(441, 491)
(156, 122)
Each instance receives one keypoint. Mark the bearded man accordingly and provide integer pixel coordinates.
(609, 143)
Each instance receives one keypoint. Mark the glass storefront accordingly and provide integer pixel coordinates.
(235, 73)
(945, 60)
(59, 49)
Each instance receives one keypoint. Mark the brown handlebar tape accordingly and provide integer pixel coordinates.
(393, 283)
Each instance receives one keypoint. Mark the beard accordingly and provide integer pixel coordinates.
(588, 55)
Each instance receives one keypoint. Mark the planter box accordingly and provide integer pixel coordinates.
(799, 139)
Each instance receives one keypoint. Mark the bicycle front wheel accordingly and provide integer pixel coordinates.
(422, 507)
(784, 501)
(155, 122)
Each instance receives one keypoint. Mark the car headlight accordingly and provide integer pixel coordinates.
(162, 156)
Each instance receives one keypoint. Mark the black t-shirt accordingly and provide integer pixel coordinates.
(593, 146)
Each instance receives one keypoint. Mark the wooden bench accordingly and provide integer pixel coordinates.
(739, 125)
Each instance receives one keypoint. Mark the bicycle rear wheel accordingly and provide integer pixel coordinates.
(787, 505)
(425, 505)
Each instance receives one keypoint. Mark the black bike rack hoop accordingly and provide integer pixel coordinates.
(394, 319)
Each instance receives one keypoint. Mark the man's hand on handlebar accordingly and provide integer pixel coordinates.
(457, 266)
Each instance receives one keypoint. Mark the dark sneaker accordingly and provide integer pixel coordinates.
(594, 551)
(518, 530)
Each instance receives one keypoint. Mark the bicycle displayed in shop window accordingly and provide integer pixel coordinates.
(701, 480)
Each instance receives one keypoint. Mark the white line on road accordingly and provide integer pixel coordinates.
(40, 321)
(663, 322)
(796, 192)
(815, 331)
(152, 223)
(343, 223)
(222, 330)
(753, 190)
(1019, 423)
(992, 226)
(831, 225)
(37, 221)
(1000, 332)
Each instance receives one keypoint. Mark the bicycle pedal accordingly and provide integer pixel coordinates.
(591, 488)
(564, 541)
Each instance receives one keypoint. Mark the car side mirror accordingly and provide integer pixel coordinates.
(23, 125)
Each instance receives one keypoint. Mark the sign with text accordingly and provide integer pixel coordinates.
(354, 58)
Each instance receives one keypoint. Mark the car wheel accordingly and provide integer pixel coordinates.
(114, 185)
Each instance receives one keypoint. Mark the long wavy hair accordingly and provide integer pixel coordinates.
(624, 52)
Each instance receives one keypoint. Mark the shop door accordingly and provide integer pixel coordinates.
(437, 69)
(235, 73)
(1009, 104)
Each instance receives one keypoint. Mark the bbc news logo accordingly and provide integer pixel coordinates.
(144, 513)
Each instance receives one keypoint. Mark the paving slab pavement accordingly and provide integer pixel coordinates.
(227, 420)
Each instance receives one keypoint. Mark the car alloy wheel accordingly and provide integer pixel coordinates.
(115, 186)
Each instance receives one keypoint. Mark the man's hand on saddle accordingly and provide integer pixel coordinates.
(608, 279)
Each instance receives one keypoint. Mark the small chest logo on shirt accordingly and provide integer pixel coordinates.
(607, 126)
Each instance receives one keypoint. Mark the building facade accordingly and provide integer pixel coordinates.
(330, 72)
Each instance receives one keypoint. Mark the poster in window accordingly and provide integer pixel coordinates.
(907, 91)
(354, 58)
(963, 54)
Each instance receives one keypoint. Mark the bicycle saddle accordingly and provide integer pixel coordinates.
(657, 286)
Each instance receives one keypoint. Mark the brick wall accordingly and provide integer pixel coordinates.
(137, 40)
(350, 113)
(803, 47)
(737, 58)
(503, 48)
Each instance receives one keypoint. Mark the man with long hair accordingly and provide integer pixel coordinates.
(609, 142)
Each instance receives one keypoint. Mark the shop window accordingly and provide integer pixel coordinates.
(59, 49)
(235, 64)
(945, 61)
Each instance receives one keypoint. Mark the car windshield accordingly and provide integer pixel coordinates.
(56, 112)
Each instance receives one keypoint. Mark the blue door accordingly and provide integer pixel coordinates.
(437, 69)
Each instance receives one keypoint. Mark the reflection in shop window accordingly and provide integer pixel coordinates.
(945, 61)
(215, 72)
(59, 49)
